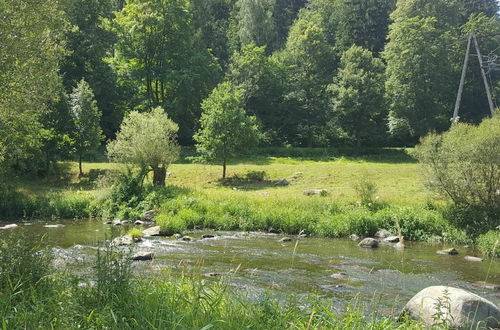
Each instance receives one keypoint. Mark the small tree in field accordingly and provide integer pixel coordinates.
(86, 117)
(464, 163)
(148, 140)
(226, 130)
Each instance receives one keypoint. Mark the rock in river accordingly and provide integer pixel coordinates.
(205, 236)
(54, 226)
(476, 259)
(285, 239)
(11, 226)
(148, 216)
(451, 251)
(456, 307)
(391, 239)
(153, 231)
(142, 256)
(368, 243)
(123, 240)
(486, 285)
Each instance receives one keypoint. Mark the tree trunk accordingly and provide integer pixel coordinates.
(80, 164)
(224, 168)
(159, 175)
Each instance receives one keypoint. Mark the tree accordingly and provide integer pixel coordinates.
(255, 22)
(89, 43)
(358, 96)
(310, 64)
(30, 50)
(262, 81)
(225, 129)
(418, 87)
(147, 140)
(160, 59)
(86, 117)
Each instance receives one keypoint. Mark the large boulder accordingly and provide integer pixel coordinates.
(454, 307)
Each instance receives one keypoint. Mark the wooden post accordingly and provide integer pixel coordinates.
(486, 85)
(462, 81)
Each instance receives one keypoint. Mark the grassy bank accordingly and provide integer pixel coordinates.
(34, 295)
(250, 198)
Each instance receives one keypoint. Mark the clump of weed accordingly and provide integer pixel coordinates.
(489, 243)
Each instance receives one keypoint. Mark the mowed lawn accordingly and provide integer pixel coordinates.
(399, 181)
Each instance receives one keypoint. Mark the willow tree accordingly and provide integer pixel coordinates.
(149, 141)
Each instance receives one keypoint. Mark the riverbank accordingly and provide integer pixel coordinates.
(318, 194)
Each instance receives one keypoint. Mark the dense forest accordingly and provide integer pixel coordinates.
(312, 73)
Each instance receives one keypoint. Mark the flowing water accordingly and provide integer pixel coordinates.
(384, 278)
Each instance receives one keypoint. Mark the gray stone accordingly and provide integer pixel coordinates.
(354, 237)
(340, 276)
(451, 252)
(457, 308)
(476, 259)
(368, 243)
(399, 246)
(109, 222)
(142, 256)
(205, 236)
(117, 222)
(138, 222)
(177, 236)
(123, 240)
(148, 215)
(186, 238)
(11, 226)
(312, 192)
(285, 239)
(382, 234)
(486, 285)
(391, 239)
(152, 231)
(282, 183)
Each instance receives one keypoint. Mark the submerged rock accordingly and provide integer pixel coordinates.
(486, 285)
(368, 243)
(455, 307)
(340, 276)
(117, 222)
(212, 274)
(177, 236)
(451, 252)
(476, 259)
(205, 236)
(123, 240)
(138, 222)
(109, 222)
(186, 238)
(285, 239)
(399, 246)
(54, 226)
(142, 256)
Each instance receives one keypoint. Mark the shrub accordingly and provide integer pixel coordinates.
(136, 233)
(464, 164)
(489, 243)
(366, 191)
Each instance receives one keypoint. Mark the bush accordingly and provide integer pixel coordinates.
(171, 225)
(464, 164)
(366, 191)
(489, 243)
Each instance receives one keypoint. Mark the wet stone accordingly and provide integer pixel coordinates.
(474, 259)
(285, 240)
(340, 276)
(451, 252)
(486, 285)
(205, 236)
(368, 243)
(391, 239)
(142, 256)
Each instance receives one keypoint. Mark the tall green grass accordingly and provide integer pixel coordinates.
(315, 216)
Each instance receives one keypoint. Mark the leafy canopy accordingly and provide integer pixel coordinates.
(147, 140)
(226, 130)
